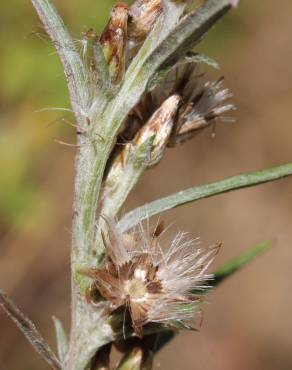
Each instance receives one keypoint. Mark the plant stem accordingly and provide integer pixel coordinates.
(99, 115)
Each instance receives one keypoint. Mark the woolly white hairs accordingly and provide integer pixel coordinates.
(158, 284)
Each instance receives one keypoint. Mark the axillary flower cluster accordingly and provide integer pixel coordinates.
(178, 103)
(155, 284)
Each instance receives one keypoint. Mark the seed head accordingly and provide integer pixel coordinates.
(207, 105)
(201, 104)
(156, 285)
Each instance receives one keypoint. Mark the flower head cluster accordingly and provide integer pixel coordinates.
(156, 285)
(200, 103)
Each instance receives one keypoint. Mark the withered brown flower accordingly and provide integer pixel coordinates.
(202, 103)
(156, 285)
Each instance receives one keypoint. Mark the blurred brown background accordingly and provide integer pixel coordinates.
(247, 321)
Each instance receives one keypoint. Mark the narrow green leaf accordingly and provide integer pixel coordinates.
(199, 192)
(238, 262)
(62, 342)
(189, 31)
(29, 330)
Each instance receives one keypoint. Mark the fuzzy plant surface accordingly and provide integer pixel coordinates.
(136, 91)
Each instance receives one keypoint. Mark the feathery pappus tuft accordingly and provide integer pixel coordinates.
(155, 284)
(206, 105)
(202, 103)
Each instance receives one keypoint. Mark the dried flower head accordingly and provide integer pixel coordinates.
(155, 285)
(204, 104)
(201, 104)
